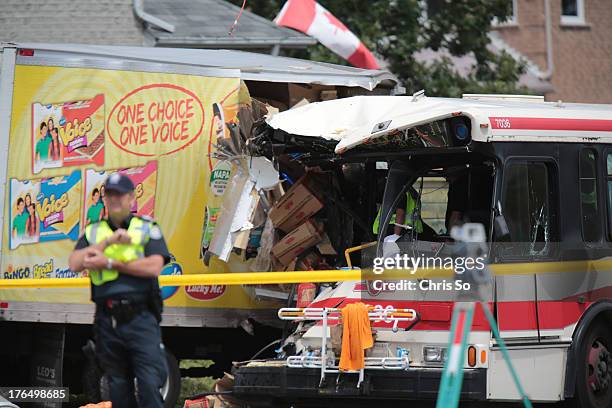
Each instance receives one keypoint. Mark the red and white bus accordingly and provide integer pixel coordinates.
(542, 168)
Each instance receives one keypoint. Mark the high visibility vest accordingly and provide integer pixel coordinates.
(410, 206)
(99, 231)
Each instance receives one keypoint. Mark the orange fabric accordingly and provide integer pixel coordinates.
(103, 404)
(356, 336)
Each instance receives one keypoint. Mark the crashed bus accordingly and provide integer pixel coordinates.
(536, 175)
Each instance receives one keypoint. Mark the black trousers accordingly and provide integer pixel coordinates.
(132, 357)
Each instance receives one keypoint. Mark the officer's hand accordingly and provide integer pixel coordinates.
(120, 236)
(95, 260)
(91, 251)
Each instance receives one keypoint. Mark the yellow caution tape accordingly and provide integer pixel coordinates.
(242, 278)
(334, 275)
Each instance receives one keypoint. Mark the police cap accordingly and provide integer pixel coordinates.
(119, 183)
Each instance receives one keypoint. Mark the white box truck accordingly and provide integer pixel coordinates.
(69, 115)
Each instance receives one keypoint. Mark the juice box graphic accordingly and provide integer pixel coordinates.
(24, 223)
(145, 183)
(45, 210)
(68, 133)
(59, 207)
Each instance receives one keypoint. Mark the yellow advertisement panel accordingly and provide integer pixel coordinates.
(71, 127)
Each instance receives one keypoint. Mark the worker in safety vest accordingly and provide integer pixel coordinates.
(403, 216)
(124, 255)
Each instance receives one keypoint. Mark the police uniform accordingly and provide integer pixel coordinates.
(128, 311)
(408, 203)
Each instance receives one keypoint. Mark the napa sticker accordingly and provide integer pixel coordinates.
(220, 177)
(171, 269)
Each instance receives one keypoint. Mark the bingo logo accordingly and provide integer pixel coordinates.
(205, 292)
(17, 272)
(172, 268)
(156, 119)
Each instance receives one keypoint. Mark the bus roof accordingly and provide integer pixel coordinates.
(354, 121)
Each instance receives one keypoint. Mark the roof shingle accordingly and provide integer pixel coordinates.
(206, 23)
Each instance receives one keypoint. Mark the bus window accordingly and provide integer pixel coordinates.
(526, 202)
(609, 165)
(591, 220)
(433, 202)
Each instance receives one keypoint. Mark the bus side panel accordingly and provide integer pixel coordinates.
(540, 370)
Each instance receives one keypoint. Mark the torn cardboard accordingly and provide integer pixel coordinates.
(325, 247)
(296, 242)
(298, 204)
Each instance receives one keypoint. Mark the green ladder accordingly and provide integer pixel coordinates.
(452, 375)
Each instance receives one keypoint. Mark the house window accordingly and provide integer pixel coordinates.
(512, 17)
(589, 206)
(572, 12)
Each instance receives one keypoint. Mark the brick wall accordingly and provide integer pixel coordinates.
(582, 54)
(70, 21)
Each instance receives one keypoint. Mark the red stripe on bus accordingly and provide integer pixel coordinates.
(588, 125)
(512, 315)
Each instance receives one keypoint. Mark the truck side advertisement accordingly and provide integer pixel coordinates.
(71, 127)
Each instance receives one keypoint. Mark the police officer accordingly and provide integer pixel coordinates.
(406, 206)
(124, 255)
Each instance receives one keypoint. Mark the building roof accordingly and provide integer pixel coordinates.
(533, 78)
(206, 24)
(355, 121)
(252, 66)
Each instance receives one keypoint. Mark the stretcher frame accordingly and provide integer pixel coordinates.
(378, 313)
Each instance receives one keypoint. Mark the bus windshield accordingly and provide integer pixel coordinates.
(425, 203)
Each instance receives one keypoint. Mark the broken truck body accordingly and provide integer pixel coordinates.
(533, 173)
(114, 108)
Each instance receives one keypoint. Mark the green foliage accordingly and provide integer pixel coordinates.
(185, 364)
(397, 29)
(194, 386)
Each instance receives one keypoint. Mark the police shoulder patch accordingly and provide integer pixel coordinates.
(155, 232)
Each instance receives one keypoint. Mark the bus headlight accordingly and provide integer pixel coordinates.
(434, 354)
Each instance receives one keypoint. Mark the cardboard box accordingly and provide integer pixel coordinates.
(296, 242)
(309, 262)
(310, 92)
(298, 204)
(197, 403)
(325, 247)
(328, 95)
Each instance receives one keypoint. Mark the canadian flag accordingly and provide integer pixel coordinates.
(311, 18)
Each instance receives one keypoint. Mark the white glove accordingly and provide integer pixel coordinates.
(391, 238)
